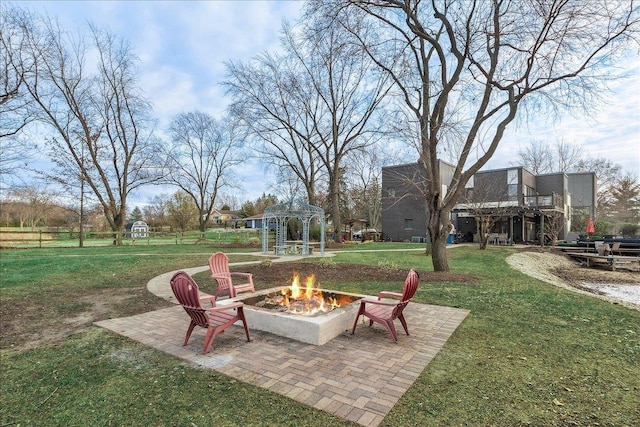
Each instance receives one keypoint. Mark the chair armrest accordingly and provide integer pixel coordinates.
(211, 299)
(226, 307)
(247, 275)
(386, 294)
(221, 276)
(378, 302)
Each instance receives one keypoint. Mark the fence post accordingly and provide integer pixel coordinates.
(40, 240)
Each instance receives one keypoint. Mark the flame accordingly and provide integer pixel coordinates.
(307, 301)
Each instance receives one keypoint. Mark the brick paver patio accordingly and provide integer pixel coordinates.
(356, 377)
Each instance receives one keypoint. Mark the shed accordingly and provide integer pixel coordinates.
(137, 230)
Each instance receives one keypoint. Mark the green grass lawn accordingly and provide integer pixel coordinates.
(528, 354)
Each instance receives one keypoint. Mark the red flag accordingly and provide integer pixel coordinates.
(591, 228)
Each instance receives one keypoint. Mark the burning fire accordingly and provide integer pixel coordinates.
(307, 300)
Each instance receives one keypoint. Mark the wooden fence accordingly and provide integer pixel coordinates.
(71, 238)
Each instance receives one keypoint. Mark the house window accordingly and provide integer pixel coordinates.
(529, 196)
(391, 192)
(470, 182)
(408, 224)
(512, 184)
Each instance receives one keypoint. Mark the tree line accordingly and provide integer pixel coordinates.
(357, 84)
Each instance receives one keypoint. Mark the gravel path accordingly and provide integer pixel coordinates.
(621, 287)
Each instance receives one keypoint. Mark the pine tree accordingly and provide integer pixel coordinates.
(626, 201)
(136, 215)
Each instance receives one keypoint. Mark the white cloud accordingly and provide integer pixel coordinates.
(173, 92)
(183, 46)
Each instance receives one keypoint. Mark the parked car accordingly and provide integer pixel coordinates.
(358, 234)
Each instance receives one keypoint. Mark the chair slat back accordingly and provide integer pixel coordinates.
(219, 262)
(408, 291)
(410, 285)
(219, 266)
(187, 293)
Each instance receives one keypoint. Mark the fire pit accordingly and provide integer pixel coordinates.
(310, 314)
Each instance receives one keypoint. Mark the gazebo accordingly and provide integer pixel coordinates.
(280, 215)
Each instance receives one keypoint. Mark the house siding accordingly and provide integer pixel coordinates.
(401, 202)
(407, 202)
(552, 183)
(495, 182)
(407, 205)
(581, 186)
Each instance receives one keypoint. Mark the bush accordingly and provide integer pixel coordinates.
(314, 233)
(629, 229)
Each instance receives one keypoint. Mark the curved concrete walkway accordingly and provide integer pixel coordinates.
(160, 286)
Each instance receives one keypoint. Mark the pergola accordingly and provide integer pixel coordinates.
(280, 215)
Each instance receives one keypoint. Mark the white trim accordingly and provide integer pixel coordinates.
(469, 206)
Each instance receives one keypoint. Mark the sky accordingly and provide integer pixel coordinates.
(183, 46)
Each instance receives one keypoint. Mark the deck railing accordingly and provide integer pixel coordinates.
(553, 201)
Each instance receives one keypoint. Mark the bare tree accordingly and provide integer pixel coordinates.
(274, 116)
(540, 157)
(14, 101)
(100, 123)
(156, 211)
(568, 155)
(201, 158)
(313, 105)
(554, 221)
(537, 157)
(475, 65)
(32, 205)
(364, 181)
(16, 110)
(182, 211)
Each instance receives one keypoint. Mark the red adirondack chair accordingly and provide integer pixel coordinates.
(219, 266)
(215, 319)
(386, 311)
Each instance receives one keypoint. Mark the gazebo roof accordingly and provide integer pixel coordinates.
(293, 208)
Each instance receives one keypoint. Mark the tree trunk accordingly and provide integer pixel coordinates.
(334, 192)
(439, 254)
(482, 233)
(81, 241)
(335, 213)
(438, 228)
(118, 227)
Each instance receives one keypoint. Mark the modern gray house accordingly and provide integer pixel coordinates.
(403, 205)
(520, 202)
